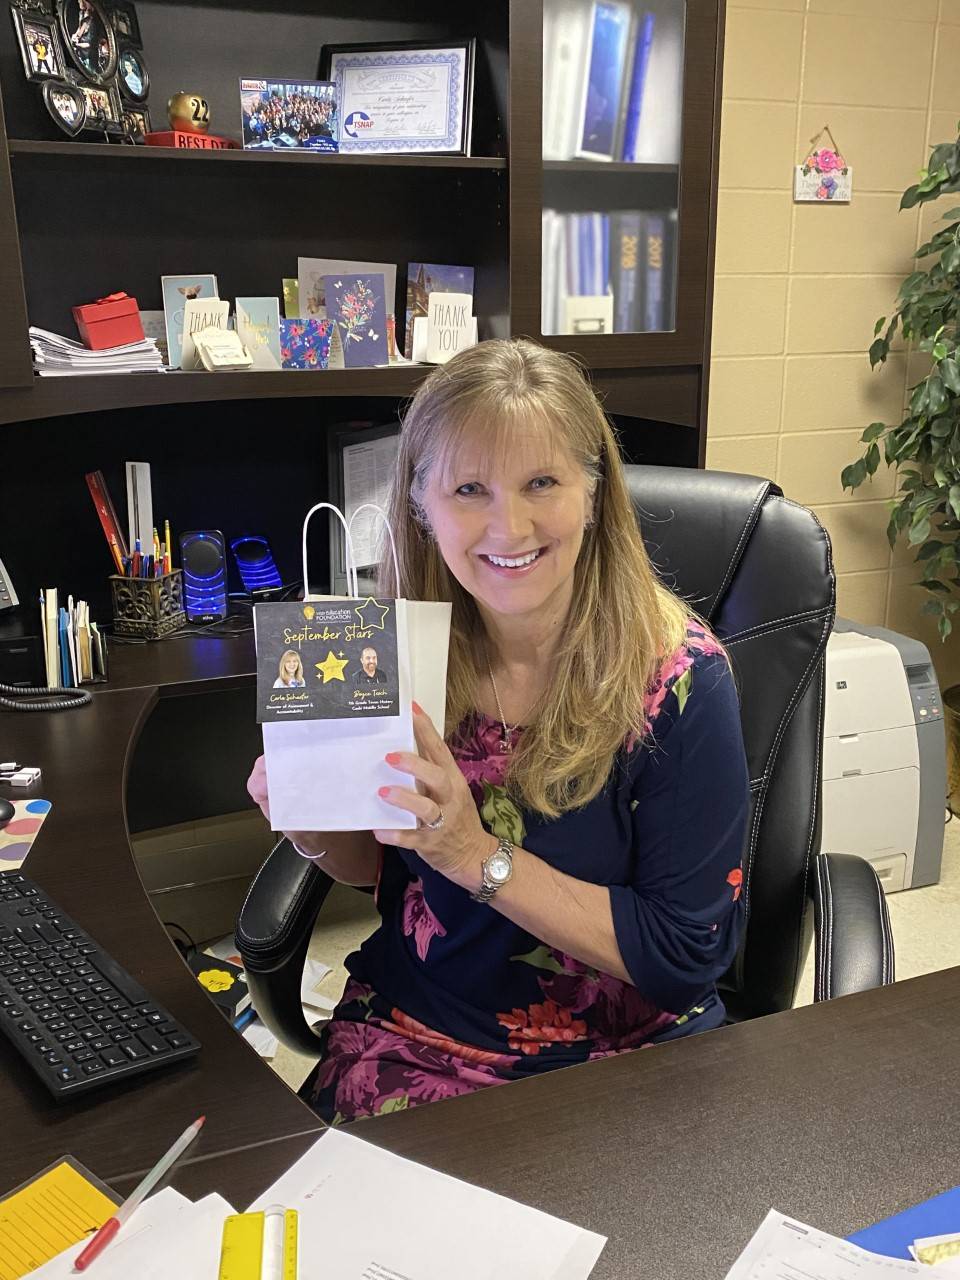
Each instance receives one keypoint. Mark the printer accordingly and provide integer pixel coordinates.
(884, 754)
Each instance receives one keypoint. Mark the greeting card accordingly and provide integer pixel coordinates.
(258, 328)
(198, 314)
(357, 307)
(305, 344)
(177, 292)
(424, 278)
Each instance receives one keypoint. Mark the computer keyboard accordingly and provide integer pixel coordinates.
(77, 1017)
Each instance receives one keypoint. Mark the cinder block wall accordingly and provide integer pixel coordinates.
(799, 287)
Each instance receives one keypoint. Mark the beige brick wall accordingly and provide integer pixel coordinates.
(799, 287)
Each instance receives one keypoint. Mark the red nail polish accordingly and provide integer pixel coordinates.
(392, 757)
(418, 710)
(383, 791)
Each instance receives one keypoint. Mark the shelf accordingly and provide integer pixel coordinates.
(55, 397)
(601, 166)
(141, 154)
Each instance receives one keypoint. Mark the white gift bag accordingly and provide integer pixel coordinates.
(323, 775)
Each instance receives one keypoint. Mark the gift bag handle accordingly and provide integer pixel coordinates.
(351, 562)
(372, 506)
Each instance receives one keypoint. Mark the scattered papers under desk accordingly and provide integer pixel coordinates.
(367, 1213)
(261, 1038)
(314, 971)
(784, 1249)
(167, 1236)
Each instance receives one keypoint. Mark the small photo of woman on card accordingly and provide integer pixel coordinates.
(291, 672)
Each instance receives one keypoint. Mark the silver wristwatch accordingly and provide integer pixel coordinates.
(495, 870)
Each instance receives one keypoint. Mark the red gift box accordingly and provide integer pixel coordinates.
(109, 322)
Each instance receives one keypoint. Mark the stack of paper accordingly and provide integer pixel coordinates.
(781, 1246)
(58, 357)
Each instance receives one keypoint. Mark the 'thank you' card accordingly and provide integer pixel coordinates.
(177, 292)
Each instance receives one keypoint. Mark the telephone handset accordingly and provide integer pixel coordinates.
(8, 597)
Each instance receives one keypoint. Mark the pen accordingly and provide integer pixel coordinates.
(167, 560)
(115, 551)
(98, 1243)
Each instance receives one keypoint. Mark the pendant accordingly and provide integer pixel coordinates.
(505, 745)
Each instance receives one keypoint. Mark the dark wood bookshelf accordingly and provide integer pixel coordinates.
(115, 151)
(619, 167)
(90, 393)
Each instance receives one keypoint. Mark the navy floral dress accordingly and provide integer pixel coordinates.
(448, 996)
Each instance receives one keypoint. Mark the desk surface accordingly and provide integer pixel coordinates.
(838, 1113)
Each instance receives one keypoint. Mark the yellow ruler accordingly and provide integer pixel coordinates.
(260, 1246)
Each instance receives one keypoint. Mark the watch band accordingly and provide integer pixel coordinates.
(311, 857)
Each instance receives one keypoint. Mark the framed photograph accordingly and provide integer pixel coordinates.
(89, 39)
(66, 105)
(40, 46)
(133, 78)
(288, 115)
(104, 114)
(361, 466)
(136, 123)
(403, 97)
(125, 22)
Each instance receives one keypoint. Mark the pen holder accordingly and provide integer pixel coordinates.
(148, 607)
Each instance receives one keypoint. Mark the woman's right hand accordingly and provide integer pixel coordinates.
(310, 842)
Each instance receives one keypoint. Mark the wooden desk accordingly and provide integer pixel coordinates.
(838, 1113)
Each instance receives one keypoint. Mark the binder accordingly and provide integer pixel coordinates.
(937, 1216)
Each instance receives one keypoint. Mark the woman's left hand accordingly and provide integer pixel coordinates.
(458, 846)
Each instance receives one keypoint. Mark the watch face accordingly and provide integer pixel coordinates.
(499, 867)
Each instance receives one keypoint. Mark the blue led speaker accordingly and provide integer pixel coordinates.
(204, 560)
(255, 562)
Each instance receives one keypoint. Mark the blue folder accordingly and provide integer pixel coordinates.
(938, 1216)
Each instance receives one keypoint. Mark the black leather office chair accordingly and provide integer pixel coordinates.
(759, 568)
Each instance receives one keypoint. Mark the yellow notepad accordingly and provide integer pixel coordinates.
(61, 1206)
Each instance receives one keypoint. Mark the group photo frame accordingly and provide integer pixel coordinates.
(412, 97)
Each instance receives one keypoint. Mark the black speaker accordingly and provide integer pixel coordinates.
(204, 560)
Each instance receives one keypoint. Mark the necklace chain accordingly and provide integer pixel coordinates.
(505, 744)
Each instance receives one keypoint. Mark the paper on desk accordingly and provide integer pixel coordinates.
(367, 1213)
(934, 1250)
(166, 1236)
(314, 971)
(262, 1039)
(784, 1249)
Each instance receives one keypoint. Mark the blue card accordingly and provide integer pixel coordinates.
(305, 344)
(177, 292)
(608, 55)
(357, 306)
(424, 278)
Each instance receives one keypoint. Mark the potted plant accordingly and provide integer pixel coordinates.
(925, 445)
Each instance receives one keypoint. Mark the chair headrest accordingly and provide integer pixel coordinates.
(703, 549)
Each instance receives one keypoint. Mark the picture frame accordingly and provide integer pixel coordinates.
(105, 99)
(434, 79)
(136, 123)
(57, 97)
(133, 78)
(125, 22)
(40, 47)
(360, 464)
(89, 39)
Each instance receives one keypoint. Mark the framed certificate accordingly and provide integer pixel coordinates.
(403, 98)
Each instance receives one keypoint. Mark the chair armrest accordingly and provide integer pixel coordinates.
(273, 934)
(853, 940)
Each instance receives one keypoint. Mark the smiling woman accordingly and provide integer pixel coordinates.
(573, 887)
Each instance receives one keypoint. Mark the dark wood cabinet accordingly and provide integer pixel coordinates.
(82, 219)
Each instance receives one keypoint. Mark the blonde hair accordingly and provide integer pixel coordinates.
(298, 674)
(595, 696)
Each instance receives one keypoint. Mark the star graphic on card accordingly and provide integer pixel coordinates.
(372, 614)
(332, 667)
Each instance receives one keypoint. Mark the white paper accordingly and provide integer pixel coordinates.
(784, 1249)
(140, 522)
(427, 1225)
(314, 972)
(261, 1038)
(368, 471)
(324, 775)
(450, 325)
(167, 1235)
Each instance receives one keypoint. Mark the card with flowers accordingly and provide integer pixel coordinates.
(824, 173)
(305, 344)
(357, 306)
